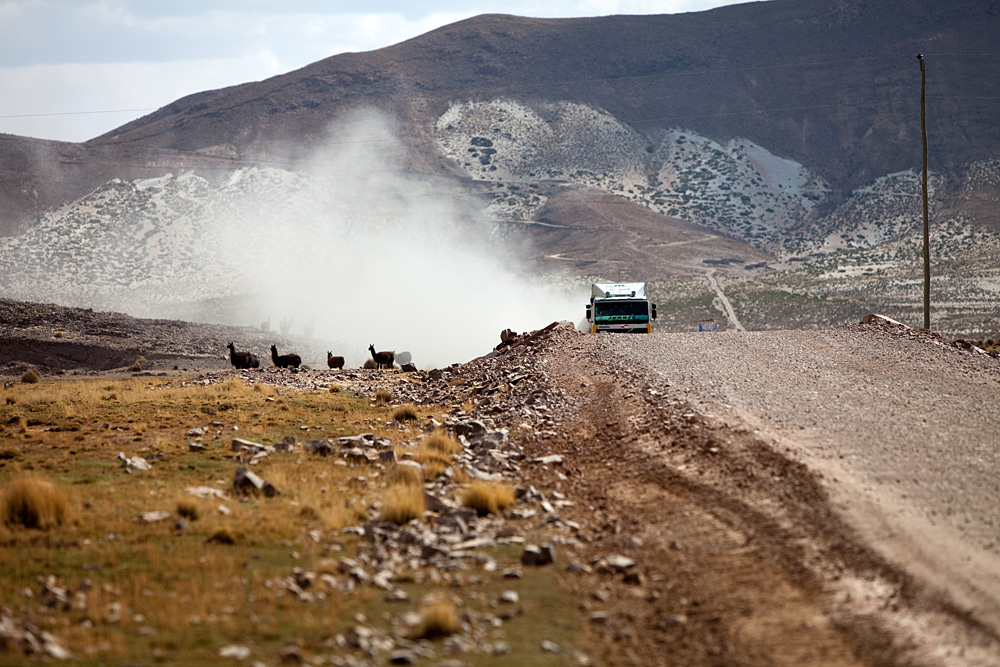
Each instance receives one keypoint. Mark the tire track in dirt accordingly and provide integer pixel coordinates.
(743, 558)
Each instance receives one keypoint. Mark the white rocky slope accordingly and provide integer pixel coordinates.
(158, 240)
(739, 189)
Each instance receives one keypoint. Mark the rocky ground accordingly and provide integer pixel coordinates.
(683, 516)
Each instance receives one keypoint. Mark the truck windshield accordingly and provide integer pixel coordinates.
(619, 308)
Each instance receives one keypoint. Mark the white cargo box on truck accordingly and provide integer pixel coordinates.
(626, 290)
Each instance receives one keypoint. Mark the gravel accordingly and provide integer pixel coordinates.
(904, 424)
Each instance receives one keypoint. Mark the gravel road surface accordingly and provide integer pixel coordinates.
(903, 428)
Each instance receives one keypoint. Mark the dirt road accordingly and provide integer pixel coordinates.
(809, 497)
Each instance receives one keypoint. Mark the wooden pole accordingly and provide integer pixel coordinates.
(927, 241)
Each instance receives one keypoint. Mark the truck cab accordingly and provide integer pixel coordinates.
(620, 308)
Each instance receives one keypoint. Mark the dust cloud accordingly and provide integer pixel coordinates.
(372, 253)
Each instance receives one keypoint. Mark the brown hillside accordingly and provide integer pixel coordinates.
(594, 233)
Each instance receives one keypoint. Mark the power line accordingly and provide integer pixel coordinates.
(74, 113)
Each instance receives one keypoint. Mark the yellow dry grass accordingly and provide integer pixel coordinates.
(402, 504)
(33, 502)
(404, 475)
(488, 497)
(175, 591)
(404, 413)
(438, 619)
(436, 453)
(71, 430)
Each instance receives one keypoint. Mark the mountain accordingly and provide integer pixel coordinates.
(830, 84)
(735, 141)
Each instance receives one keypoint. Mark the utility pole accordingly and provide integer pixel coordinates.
(927, 235)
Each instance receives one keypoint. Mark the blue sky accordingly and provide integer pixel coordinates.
(74, 69)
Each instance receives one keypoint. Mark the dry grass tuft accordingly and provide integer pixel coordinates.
(404, 413)
(334, 388)
(370, 364)
(31, 376)
(188, 510)
(137, 366)
(403, 504)
(488, 498)
(34, 502)
(383, 397)
(438, 619)
(222, 536)
(436, 453)
(442, 442)
(404, 476)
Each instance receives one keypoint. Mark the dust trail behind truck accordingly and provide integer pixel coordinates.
(620, 308)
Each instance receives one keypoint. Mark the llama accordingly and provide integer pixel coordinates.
(286, 325)
(242, 359)
(265, 326)
(309, 327)
(382, 359)
(285, 360)
(334, 362)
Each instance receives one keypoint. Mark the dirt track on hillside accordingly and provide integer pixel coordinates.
(790, 498)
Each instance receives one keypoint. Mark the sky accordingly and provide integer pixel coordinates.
(71, 70)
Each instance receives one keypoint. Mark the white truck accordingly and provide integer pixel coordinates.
(620, 308)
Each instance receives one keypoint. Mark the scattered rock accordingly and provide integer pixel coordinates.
(246, 482)
(402, 657)
(615, 563)
(235, 651)
(549, 646)
(538, 555)
(320, 448)
(509, 597)
(205, 492)
(600, 618)
(136, 462)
